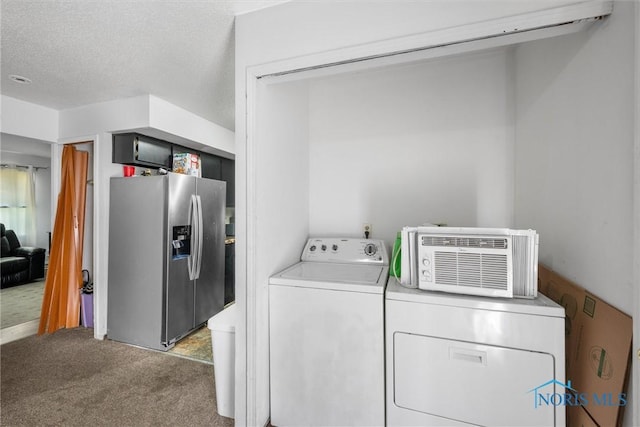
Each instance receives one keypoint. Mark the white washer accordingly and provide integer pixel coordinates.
(326, 328)
(457, 360)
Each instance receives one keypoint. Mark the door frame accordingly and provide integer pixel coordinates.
(99, 251)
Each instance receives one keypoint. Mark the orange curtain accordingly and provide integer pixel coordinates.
(61, 301)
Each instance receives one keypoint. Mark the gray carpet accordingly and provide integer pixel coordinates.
(68, 378)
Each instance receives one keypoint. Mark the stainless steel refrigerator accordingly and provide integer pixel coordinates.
(166, 257)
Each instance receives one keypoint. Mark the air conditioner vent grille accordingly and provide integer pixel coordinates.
(465, 242)
(471, 270)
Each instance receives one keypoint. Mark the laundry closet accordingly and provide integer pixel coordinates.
(526, 130)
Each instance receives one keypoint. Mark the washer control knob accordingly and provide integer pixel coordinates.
(370, 249)
(334, 247)
(312, 248)
(323, 247)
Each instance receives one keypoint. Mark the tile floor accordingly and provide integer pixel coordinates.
(196, 346)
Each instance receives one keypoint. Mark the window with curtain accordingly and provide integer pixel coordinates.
(18, 202)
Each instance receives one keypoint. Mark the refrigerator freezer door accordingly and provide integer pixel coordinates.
(179, 289)
(137, 251)
(209, 287)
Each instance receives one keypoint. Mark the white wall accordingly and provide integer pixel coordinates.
(28, 120)
(180, 126)
(149, 115)
(281, 204)
(575, 154)
(302, 27)
(431, 142)
(575, 158)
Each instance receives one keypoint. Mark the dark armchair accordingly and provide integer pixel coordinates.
(19, 264)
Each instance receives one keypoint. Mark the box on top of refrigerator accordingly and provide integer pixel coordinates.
(187, 164)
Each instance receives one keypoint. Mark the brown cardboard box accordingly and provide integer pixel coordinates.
(598, 346)
(577, 416)
(569, 296)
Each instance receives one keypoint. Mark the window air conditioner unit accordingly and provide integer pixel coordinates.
(494, 262)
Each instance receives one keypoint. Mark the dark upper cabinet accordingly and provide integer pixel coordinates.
(228, 175)
(141, 150)
(211, 166)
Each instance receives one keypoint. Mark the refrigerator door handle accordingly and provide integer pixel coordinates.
(200, 237)
(193, 241)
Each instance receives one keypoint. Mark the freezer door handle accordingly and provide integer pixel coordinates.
(198, 261)
(193, 222)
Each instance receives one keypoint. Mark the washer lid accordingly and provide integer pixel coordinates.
(344, 277)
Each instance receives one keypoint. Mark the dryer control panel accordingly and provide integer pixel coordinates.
(345, 250)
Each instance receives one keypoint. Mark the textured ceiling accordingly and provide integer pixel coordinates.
(78, 52)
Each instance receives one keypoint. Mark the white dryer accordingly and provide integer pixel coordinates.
(455, 360)
(326, 334)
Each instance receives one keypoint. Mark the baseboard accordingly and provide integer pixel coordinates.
(17, 332)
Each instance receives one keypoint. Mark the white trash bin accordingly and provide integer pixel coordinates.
(223, 341)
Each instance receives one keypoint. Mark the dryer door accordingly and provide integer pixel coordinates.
(474, 383)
